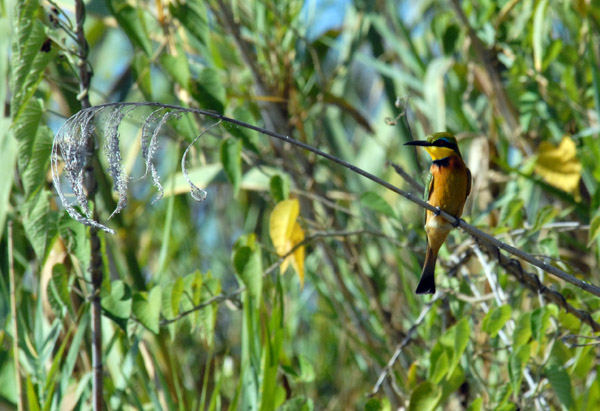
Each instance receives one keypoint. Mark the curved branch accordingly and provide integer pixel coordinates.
(471, 230)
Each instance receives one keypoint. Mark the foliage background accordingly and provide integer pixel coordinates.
(517, 81)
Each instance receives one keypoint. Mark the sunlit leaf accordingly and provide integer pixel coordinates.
(495, 320)
(146, 307)
(516, 364)
(540, 321)
(559, 166)
(538, 33)
(594, 230)
(117, 301)
(286, 233)
(131, 20)
(425, 397)
(248, 266)
(522, 331)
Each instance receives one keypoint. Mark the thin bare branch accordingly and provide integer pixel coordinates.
(481, 236)
(404, 343)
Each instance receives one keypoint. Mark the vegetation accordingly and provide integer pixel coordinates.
(195, 313)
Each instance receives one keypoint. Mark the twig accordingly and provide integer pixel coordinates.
(224, 297)
(473, 231)
(404, 343)
(596, 340)
(407, 177)
(13, 312)
(532, 282)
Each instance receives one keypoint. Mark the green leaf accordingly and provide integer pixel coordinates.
(231, 158)
(248, 136)
(307, 372)
(280, 188)
(146, 307)
(560, 382)
(177, 67)
(117, 300)
(539, 34)
(40, 222)
(131, 20)
(8, 158)
(207, 317)
(32, 400)
(425, 397)
(25, 130)
(452, 383)
(594, 230)
(208, 90)
(34, 174)
(376, 203)
(476, 405)
(522, 331)
(28, 61)
(192, 15)
(172, 297)
(140, 68)
(512, 213)
(495, 320)
(439, 367)
(449, 39)
(299, 403)
(540, 321)
(462, 332)
(545, 215)
(373, 404)
(58, 290)
(192, 292)
(248, 266)
(516, 364)
(453, 342)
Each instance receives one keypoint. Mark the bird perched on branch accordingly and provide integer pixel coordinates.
(447, 188)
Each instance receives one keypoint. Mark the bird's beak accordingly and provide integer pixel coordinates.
(418, 143)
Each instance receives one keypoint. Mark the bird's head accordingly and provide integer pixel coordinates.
(438, 145)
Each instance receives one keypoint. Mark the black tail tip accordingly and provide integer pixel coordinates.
(426, 286)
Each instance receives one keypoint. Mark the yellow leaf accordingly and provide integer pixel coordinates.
(298, 260)
(559, 166)
(286, 233)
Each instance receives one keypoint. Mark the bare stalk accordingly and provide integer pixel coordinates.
(91, 187)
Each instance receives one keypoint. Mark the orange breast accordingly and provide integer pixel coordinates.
(449, 191)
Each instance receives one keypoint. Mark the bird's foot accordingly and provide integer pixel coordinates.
(456, 223)
(437, 211)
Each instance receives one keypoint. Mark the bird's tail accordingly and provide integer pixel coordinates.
(427, 283)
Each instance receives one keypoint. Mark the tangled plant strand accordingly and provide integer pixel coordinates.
(69, 146)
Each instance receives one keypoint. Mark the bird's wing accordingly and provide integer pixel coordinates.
(469, 182)
(428, 186)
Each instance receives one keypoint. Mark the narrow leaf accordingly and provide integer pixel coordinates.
(376, 203)
(231, 158)
(560, 382)
(495, 320)
(538, 34)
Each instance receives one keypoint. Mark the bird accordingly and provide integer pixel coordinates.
(447, 187)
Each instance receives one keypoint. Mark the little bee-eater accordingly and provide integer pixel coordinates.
(447, 187)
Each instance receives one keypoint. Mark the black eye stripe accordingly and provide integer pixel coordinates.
(445, 143)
